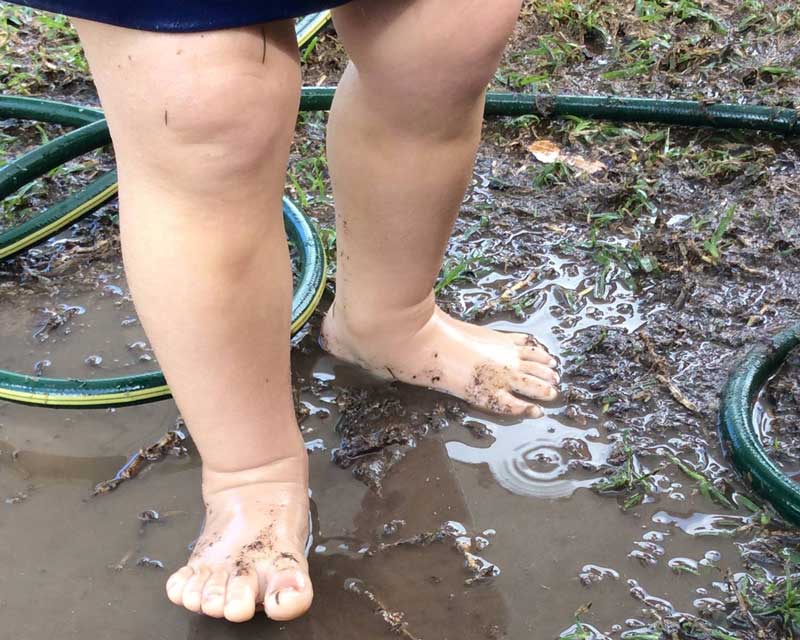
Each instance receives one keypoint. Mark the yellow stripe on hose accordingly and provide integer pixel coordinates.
(311, 308)
(315, 26)
(124, 397)
(79, 400)
(128, 397)
(60, 223)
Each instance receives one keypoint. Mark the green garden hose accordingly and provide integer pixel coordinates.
(307, 26)
(147, 387)
(93, 133)
(674, 112)
(738, 431)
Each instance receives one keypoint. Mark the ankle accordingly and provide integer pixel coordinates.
(362, 322)
(290, 469)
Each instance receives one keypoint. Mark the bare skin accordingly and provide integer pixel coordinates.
(489, 369)
(251, 554)
(201, 125)
(402, 137)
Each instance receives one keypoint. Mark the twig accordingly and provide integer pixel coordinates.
(393, 619)
(169, 444)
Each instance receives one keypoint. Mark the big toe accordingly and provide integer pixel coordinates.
(289, 594)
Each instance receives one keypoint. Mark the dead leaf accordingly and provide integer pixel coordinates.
(545, 150)
(587, 166)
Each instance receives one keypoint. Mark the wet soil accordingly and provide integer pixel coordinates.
(647, 277)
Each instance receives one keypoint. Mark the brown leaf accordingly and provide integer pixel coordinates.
(545, 150)
(582, 164)
(548, 151)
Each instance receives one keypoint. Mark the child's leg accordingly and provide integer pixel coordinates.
(202, 125)
(402, 139)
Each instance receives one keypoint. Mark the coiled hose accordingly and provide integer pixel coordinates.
(739, 432)
(92, 134)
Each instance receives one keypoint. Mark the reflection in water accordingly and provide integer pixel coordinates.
(702, 524)
(537, 458)
(543, 457)
(35, 465)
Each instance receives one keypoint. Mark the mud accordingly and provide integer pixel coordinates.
(647, 278)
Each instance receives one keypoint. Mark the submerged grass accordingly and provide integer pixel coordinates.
(630, 481)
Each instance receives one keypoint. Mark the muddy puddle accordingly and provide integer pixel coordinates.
(647, 278)
(519, 543)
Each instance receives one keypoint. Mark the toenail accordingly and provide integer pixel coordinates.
(553, 362)
(277, 595)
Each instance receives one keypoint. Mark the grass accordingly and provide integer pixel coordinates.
(327, 236)
(704, 485)
(689, 629)
(633, 483)
(580, 630)
(618, 261)
(38, 51)
(773, 600)
(552, 173)
(307, 175)
(712, 243)
(649, 44)
(783, 600)
(462, 266)
(552, 52)
(586, 131)
(629, 480)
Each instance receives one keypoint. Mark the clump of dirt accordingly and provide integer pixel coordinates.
(377, 431)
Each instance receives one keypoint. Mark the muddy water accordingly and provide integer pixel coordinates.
(518, 492)
(764, 417)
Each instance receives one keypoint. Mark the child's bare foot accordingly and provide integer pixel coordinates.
(496, 371)
(252, 549)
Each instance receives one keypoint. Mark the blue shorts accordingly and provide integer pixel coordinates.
(182, 15)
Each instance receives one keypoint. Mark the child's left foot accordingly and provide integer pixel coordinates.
(496, 371)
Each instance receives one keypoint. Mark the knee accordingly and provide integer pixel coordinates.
(213, 128)
(440, 57)
(466, 58)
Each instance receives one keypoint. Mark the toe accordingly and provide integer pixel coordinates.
(523, 339)
(214, 594)
(240, 598)
(539, 370)
(506, 403)
(533, 387)
(193, 591)
(537, 354)
(289, 594)
(176, 583)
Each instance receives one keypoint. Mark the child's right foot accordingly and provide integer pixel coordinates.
(251, 552)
